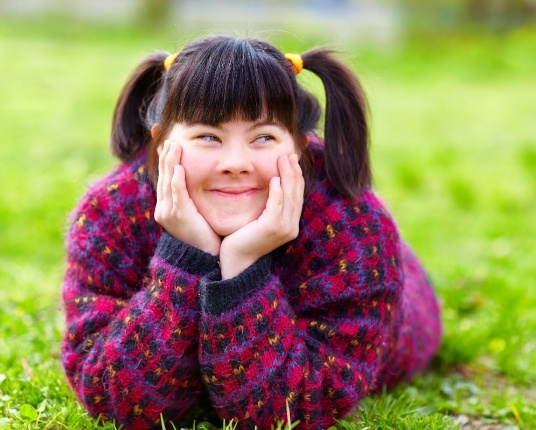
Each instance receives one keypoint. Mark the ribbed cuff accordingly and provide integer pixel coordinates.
(218, 296)
(187, 257)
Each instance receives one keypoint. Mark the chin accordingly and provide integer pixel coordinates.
(228, 228)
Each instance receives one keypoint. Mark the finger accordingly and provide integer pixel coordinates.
(289, 186)
(274, 204)
(285, 172)
(178, 187)
(172, 159)
(300, 190)
(300, 181)
(293, 188)
(161, 170)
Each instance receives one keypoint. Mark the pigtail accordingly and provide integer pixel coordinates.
(346, 133)
(130, 132)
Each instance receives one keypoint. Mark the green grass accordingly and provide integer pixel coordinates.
(454, 157)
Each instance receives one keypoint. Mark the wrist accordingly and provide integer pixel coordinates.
(212, 248)
(208, 245)
(232, 263)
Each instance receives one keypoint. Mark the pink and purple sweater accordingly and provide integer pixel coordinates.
(317, 324)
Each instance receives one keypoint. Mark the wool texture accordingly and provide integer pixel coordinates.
(323, 321)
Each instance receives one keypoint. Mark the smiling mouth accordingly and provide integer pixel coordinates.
(234, 192)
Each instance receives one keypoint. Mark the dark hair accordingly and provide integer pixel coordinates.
(219, 78)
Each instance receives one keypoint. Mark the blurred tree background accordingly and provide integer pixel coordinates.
(492, 15)
(423, 15)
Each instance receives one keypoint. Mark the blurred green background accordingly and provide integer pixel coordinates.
(452, 93)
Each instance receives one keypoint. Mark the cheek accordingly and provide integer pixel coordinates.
(266, 166)
(196, 168)
(267, 163)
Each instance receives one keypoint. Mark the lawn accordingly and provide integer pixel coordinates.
(454, 157)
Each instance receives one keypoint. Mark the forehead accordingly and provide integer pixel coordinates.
(252, 87)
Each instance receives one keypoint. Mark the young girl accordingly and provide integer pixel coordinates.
(236, 257)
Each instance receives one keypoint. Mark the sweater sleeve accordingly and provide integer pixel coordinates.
(131, 302)
(315, 334)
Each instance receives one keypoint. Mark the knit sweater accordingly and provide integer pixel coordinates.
(318, 324)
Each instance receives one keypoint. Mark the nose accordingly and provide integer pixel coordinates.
(235, 160)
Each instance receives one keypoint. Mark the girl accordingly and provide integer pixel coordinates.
(233, 255)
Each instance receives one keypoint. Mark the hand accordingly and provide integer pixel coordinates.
(175, 211)
(277, 225)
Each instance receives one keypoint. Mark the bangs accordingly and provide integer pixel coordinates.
(232, 79)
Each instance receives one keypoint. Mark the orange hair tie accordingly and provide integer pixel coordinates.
(296, 61)
(170, 59)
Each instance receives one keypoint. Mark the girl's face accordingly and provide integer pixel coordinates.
(229, 166)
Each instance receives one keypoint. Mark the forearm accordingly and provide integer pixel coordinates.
(125, 355)
(133, 360)
(259, 355)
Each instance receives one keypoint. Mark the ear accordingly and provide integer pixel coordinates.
(155, 130)
(305, 140)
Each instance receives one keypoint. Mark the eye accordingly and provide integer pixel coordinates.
(265, 138)
(209, 138)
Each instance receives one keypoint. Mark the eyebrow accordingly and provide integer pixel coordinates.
(264, 123)
(255, 125)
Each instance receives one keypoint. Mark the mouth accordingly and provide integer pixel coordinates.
(234, 192)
